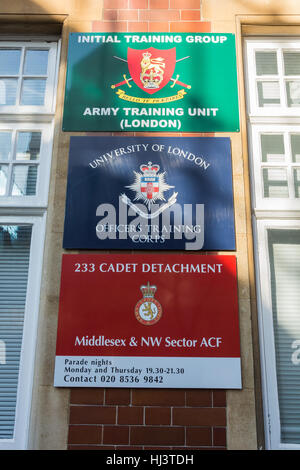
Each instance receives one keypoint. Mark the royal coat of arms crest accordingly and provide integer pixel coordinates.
(151, 69)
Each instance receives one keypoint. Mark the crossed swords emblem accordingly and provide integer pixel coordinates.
(127, 80)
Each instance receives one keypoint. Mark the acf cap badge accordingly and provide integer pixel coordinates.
(148, 310)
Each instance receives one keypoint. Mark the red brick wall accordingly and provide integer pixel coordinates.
(152, 15)
(144, 418)
(147, 419)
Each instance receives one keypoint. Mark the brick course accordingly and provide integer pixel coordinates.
(147, 419)
(151, 16)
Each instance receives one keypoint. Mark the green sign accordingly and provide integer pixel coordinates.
(151, 83)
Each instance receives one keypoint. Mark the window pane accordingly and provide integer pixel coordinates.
(33, 92)
(8, 91)
(293, 93)
(14, 261)
(291, 63)
(297, 181)
(295, 145)
(10, 61)
(284, 248)
(24, 180)
(3, 179)
(268, 94)
(36, 62)
(275, 182)
(5, 145)
(28, 145)
(272, 148)
(266, 63)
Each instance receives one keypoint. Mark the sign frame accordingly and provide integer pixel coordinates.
(194, 88)
(103, 342)
(105, 207)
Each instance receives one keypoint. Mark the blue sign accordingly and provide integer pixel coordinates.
(149, 193)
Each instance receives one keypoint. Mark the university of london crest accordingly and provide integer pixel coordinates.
(149, 186)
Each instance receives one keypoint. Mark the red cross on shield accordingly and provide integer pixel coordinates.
(149, 185)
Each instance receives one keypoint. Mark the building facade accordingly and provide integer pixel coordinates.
(34, 153)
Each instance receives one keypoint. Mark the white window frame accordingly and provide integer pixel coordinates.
(50, 82)
(31, 210)
(272, 205)
(26, 368)
(40, 199)
(268, 213)
(265, 45)
(267, 345)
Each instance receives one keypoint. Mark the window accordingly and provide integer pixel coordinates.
(28, 71)
(276, 167)
(27, 75)
(25, 157)
(21, 251)
(14, 256)
(274, 88)
(273, 103)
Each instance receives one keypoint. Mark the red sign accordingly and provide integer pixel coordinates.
(143, 309)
